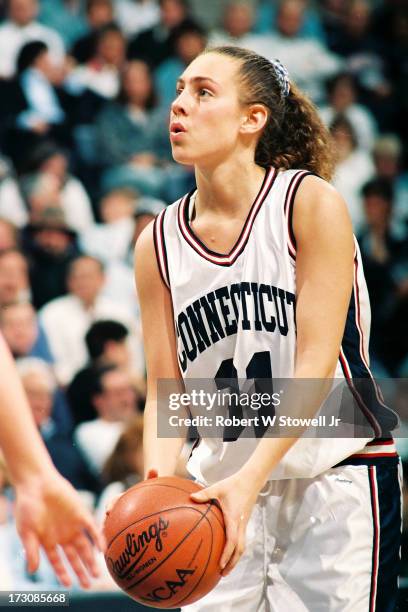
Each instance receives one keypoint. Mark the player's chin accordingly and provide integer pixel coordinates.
(182, 156)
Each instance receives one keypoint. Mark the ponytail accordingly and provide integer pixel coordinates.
(294, 136)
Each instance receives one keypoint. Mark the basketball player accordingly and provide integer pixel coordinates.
(257, 272)
(48, 511)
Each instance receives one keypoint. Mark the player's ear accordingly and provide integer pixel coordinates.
(255, 118)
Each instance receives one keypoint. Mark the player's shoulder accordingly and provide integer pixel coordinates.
(318, 196)
(310, 191)
(146, 240)
(316, 203)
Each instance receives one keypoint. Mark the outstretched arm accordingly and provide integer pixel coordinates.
(49, 512)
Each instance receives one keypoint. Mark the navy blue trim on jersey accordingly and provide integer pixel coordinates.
(161, 248)
(163, 241)
(197, 239)
(385, 493)
(362, 385)
(228, 259)
(369, 460)
(290, 202)
(351, 343)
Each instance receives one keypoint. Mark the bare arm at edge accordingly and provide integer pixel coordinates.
(49, 512)
(160, 454)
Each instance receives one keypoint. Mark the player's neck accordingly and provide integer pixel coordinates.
(229, 188)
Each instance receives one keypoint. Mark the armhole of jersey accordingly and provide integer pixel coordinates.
(160, 248)
(294, 183)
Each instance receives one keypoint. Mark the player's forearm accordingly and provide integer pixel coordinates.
(159, 454)
(302, 397)
(20, 441)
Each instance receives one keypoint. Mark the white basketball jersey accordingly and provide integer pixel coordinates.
(236, 313)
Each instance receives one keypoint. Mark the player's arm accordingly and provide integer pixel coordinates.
(324, 272)
(160, 454)
(48, 512)
(324, 278)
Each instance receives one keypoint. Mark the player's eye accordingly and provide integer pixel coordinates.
(204, 92)
(178, 91)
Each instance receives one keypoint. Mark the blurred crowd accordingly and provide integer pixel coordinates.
(85, 164)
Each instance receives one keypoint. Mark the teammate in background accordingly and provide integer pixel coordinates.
(257, 274)
(48, 511)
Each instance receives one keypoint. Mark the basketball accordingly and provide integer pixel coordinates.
(163, 549)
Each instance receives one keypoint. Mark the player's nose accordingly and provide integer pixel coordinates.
(180, 105)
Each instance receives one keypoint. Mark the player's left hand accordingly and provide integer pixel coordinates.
(236, 497)
(49, 512)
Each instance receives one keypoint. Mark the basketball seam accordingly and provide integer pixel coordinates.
(177, 603)
(155, 484)
(203, 515)
(146, 516)
(215, 516)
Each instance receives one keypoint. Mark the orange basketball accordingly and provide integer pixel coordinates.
(163, 549)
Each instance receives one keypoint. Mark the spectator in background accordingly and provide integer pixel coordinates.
(385, 264)
(124, 214)
(34, 105)
(342, 100)
(355, 36)
(267, 14)
(9, 235)
(21, 27)
(23, 332)
(40, 386)
(120, 210)
(12, 206)
(132, 135)
(354, 167)
(64, 16)
(112, 239)
(46, 183)
(189, 42)
(362, 52)
(307, 60)
(67, 319)
(101, 73)
(50, 245)
(99, 13)
(124, 467)
(134, 16)
(157, 43)
(390, 30)
(238, 21)
(331, 14)
(387, 154)
(14, 278)
(146, 210)
(107, 344)
(114, 400)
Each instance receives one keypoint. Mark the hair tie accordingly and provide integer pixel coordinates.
(282, 76)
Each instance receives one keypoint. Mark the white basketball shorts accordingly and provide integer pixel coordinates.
(327, 544)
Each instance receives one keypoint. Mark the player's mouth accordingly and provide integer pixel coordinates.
(177, 130)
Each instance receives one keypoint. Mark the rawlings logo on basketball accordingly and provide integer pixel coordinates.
(136, 546)
(170, 588)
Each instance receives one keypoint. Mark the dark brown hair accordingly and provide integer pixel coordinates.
(294, 136)
(118, 467)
